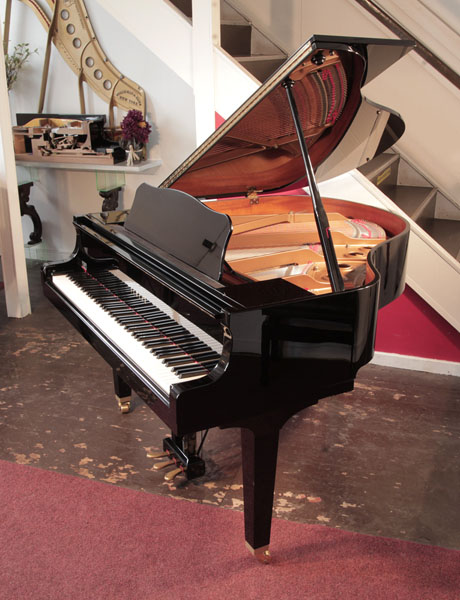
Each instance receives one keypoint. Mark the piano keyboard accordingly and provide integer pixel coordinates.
(166, 346)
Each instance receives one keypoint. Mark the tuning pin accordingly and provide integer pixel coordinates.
(172, 474)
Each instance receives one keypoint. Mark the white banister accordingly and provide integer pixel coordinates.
(206, 26)
(11, 239)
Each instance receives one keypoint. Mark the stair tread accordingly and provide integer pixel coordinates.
(378, 164)
(446, 232)
(409, 198)
(255, 57)
(236, 23)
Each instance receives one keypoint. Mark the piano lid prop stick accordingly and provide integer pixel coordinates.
(322, 222)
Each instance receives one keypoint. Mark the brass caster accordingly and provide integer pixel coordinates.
(124, 404)
(261, 554)
(172, 474)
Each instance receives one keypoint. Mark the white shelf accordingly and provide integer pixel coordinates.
(122, 167)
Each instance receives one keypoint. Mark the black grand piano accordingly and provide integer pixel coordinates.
(223, 302)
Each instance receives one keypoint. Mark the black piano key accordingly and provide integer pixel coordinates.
(122, 311)
(138, 329)
(194, 346)
(171, 332)
(173, 351)
(152, 346)
(163, 320)
(206, 357)
(148, 314)
(182, 338)
(176, 361)
(177, 340)
(171, 329)
(114, 307)
(148, 342)
(135, 305)
(210, 363)
(197, 371)
(202, 355)
(151, 333)
(189, 370)
(189, 348)
(129, 320)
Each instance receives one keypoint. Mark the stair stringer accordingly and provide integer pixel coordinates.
(431, 271)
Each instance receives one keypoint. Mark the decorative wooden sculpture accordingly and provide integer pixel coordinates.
(69, 28)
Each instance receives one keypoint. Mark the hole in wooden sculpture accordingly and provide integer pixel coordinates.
(65, 14)
(70, 28)
(77, 42)
(98, 74)
(89, 61)
(107, 84)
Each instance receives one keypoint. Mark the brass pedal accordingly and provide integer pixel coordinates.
(172, 474)
(161, 465)
(157, 454)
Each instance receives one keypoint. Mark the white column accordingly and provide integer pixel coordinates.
(11, 240)
(206, 34)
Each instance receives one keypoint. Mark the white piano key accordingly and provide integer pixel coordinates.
(151, 366)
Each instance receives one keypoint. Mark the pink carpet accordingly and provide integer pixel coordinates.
(66, 538)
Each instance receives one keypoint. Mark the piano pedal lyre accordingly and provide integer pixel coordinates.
(183, 452)
(170, 475)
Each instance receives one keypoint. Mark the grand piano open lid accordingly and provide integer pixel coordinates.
(257, 148)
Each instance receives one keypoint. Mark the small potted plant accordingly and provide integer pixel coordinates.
(135, 132)
(15, 61)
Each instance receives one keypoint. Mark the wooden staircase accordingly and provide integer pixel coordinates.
(244, 42)
(423, 203)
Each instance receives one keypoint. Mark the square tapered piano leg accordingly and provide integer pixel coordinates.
(122, 393)
(259, 454)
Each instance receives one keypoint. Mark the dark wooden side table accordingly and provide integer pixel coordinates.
(29, 210)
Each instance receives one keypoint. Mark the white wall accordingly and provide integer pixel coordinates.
(170, 107)
(435, 22)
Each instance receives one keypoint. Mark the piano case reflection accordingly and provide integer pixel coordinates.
(223, 303)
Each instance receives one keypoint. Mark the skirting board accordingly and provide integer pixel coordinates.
(416, 363)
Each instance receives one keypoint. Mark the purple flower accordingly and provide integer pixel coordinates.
(135, 127)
